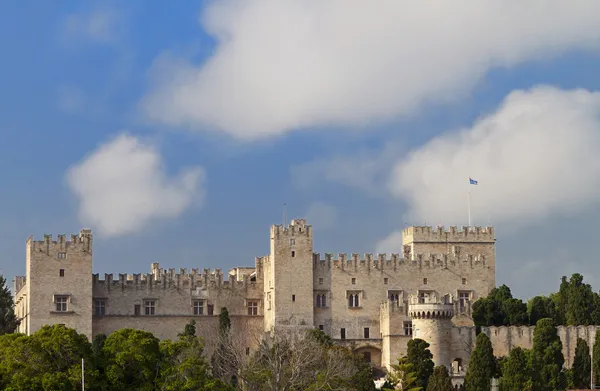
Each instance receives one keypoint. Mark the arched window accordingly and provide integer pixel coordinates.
(351, 301)
(318, 300)
(356, 300)
(323, 300)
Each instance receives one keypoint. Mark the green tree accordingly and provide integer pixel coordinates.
(132, 360)
(402, 377)
(582, 364)
(540, 307)
(8, 320)
(420, 359)
(482, 365)
(579, 302)
(440, 380)
(547, 359)
(499, 308)
(224, 321)
(183, 366)
(596, 358)
(50, 359)
(516, 371)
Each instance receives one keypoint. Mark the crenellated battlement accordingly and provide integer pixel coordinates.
(424, 234)
(169, 278)
(391, 261)
(81, 242)
(297, 227)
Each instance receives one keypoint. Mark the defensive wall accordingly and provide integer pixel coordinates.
(504, 338)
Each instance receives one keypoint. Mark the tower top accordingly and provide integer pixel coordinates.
(416, 234)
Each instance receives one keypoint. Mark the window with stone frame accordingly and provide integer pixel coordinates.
(252, 307)
(149, 307)
(100, 307)
(62, 303)
(198, 307)
(353, 299)
(321, 300)
(395, 296)
(408, 329)
(424, 296)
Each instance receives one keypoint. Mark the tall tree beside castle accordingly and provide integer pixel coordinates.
(8, 320)
(516, 371)
(582, 365)
(421, 361)
(500, 308)
(547, 359)
(440, 380)
(596, 358)
(482, 365)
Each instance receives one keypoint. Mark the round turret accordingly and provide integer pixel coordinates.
(432, 322)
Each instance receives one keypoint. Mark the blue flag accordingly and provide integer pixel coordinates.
(472, 181)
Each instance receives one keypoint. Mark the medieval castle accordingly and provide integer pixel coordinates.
(374, 304)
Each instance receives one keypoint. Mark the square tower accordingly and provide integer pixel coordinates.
(469, 242)
(58, 285)
(288, 278)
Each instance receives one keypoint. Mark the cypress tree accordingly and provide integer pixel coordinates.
(482, 365)
(420, 359)
(516, 371)
(8, 320)
(440, 380)
(547, 359)
(582, 364)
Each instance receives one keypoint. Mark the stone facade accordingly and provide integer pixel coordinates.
(374, 304)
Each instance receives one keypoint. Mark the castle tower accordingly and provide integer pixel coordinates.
(432, 322)
(288, 277)
(58, 285)
(473, 241)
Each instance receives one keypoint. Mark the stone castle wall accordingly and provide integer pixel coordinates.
(504, 338)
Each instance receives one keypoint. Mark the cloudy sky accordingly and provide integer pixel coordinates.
(178, 131)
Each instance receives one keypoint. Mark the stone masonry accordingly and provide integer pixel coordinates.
(374, 303)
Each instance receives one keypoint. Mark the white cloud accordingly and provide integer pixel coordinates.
(538, 156)
(365, 169)
(122, 187)
(283, 65)
(390, 244)
(100, 25)
(321, 215)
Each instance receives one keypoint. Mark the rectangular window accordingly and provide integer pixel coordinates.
(320, 281)
(321, 327)
(354, 281)
(424, 281)
(293, 253)
(408, 328)
(293, 297)
(149, 307)
(385, 280)
(61, 303)
(211, 309)
(247, 351)
(136, 309)
(422, 296)
(198, 307)
(366, 333)
(61, 255)
(61, 272)
(253, 308)
(100, 307)
(464, 281)
(292, 242)
(343, 333)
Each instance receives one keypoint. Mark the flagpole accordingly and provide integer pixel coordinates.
(469, 203)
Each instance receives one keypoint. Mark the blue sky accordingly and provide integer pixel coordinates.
(176, 132)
